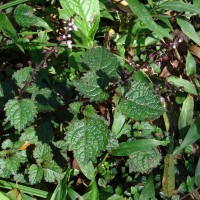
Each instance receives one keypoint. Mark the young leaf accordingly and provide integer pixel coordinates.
(127, 148)
(87, 16)
(189, 30)
(100, 59)
(144, 161)
(52, 171)
(185, 84)
(180, 6)
(186, 115)
(141, 102)
(92, 86)
(168, 181)
(7, 144)
(190, 65)
(29, 135)
(192, 136)
(43, 151)
(24, 15)
(148, 192)
(7, 28)
(35, 174)
(140, 10)
(87, 138)
(20, 112)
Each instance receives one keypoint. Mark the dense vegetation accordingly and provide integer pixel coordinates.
(99, 99)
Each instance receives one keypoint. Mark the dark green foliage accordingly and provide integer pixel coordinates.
(99, 99)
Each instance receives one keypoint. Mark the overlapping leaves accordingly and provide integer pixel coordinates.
(102, 65)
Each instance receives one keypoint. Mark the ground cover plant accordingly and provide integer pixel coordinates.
(99, 99)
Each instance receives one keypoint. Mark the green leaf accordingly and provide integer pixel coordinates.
(24, 15)
(12, 3)
(23, 75)
(197, 174)
(35, 174)
(141, 102)
(148, 192)
(75, 107)
(29, 134)
(143, 14)
(144, 161)
(4, 196)
(190, 65)
(94, 195)
(92, 86)
(87, 16)
(43, 151)
(100, 59)
(89, 111)
(118, 122)
(61, 191)
(7, 28)
(180, 6)
(88, 170)
(52, 171)
(186, 115)
(189, 30)
(7, 144)
(185, 84)
(192, 136)
(168, 181)
(127, 148)
(20, 112)
(1, 90)
(87, 138)
(143, 129)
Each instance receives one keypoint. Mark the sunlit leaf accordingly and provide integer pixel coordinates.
(141, 102)
(20, 112)
(189, 30)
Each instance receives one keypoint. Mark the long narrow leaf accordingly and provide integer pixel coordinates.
(192, 136)
(7, 28)
(197, 174)
(168, 181)
(127, 148)
(148, 191)
(61, 189)
(180, 7)
(189, 30)
(140, 10)
(186, 115)
(185, 84)
(12, 3)
(24, 189)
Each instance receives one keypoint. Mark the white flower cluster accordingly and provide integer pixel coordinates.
(66, 36)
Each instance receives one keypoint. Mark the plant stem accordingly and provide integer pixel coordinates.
(101, 163)
(34, 72)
